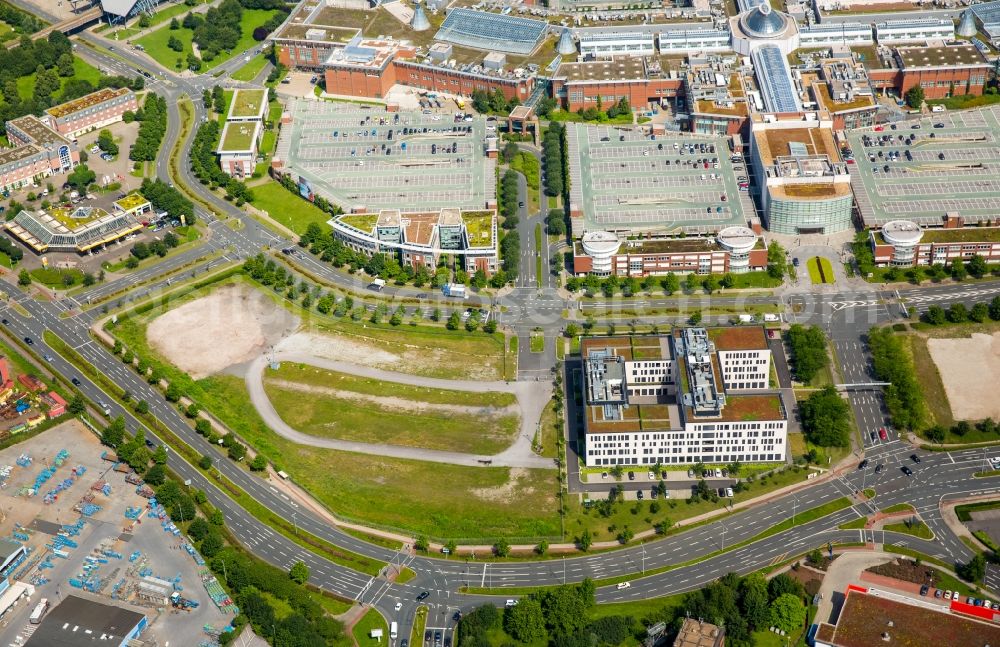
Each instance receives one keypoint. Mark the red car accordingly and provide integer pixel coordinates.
(879, 129)
(882, 433)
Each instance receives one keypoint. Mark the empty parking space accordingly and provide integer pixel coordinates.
(363, 156)
(625, 180)
(923, 170)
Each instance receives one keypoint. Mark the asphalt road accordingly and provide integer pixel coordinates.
(846, 317)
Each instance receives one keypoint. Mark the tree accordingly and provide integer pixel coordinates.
(915, 97)
(711, 283)
(421, 544)
(826, 418)
(144, 21)
(776, 263)
(160, 455)
(957, 313)
(205, 462)
(454, 321)
(957, 269)
(509, 152)
(211, 544)
(81, 178)
(524, 621)
(671, 283)
(501, 548)
(808, 350)
(77, 405)
(754, 599)
(175, 43)
(114, 434)
(788, 612)
(258, 464)
(142, 407)
(155, 475)
(542, 547)
(995, 309)
(174, 26)
(979, 313)
(977, 266)
(783, 583)
(299, 573)
(585, 540)
(935, 316)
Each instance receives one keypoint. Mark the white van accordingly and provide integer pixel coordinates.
(393, 629)
(937, 108)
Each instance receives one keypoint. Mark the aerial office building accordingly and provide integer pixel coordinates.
(692, 396)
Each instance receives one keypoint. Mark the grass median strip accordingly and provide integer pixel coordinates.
(918, 529)
(899, 507)
(261, 513)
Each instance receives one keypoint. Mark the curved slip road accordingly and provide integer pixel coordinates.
(531, 399)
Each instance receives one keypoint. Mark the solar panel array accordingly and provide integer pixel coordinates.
(492, 31)
(775, 80)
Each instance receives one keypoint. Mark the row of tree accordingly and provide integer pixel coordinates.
(164, 197)
(808, 348)
(959, 313)
(561, 616)
(891, 363)
(631, 286)
(492, 102)
(553, 158)
(153, 118)
(205, 164)
(826, 418)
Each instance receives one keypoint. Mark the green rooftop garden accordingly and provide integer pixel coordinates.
(131, 201)
(65, 217)
(479, 224)
(966, 235)
(247, 103)
(238, 137)
(361, 221)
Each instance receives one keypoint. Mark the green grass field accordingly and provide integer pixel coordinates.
(918, 529)
(81, 70)
(250, 70)
(820, 271)
(383, 412)
(53, 277)
(155, 42)
(537, 343)
(287, 208)
(362, 630)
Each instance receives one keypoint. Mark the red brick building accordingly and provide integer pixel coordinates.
(640, 80)
(941, 70)
(95, 110)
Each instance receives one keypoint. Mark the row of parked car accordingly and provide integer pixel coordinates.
(956, 596)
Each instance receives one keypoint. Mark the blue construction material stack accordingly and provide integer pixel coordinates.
(132, 513)
(23, 460)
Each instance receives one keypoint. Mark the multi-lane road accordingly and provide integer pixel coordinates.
(846, 316)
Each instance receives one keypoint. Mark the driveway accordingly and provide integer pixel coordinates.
(531, 400)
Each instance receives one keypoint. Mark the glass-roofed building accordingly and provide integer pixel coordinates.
(81, 229)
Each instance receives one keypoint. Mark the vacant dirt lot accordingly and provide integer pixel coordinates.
(230, 326)
(970, 370)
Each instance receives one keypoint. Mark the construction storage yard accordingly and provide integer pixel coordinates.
(90, 530)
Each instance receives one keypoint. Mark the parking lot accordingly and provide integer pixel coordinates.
(81, 540)
(922, 170)
(361, 156)
(624, 179)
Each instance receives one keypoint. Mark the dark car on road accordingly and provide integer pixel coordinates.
(907, 470)
(863, 464)
(423, 596)
(914, 458)
(75, 381)
(29, 341)
(878, 468)
(5, 322)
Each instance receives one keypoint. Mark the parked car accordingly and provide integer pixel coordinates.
(907, 470)
(924, 589)
(863, 464)
(729, 492)
(631, 476)
(914, 458)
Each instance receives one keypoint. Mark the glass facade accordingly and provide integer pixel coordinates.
(809, 216)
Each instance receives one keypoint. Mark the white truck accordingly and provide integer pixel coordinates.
(377, 285)
(456, 290)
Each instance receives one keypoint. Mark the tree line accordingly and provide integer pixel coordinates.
(959, 313)
(492, 102)
(257, 587)
(808, 350)
(891, 363)
(561, 616)
(164, 197)
(51, 62)
(153, 125)
(205, 164)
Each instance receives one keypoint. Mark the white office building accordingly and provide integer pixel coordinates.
(829, 35)
(692, 396)
(607, 44)
(914, 30)
(694, 40)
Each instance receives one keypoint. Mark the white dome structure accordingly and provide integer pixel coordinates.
(419, 21)
(601, 247)
(761, 25)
